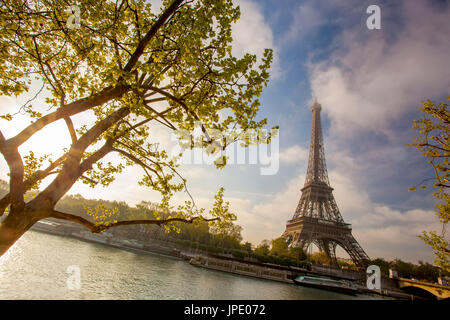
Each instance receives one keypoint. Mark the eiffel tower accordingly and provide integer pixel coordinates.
(317, 219)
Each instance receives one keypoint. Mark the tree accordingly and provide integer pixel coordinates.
(279, 247)
(426, 271)
(404, 269)
(263, 248)
(383, 264)
(227, 233)
(297, 253)
(129, 68)
(320, 258)
(434, 143)
(247, 246)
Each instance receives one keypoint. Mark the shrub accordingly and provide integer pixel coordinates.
(239, 254)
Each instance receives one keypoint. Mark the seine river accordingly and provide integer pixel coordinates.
(36, 268)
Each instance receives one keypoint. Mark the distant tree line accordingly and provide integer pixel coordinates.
(422, 271)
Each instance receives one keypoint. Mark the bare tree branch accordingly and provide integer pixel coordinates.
(188, 110)
(96, 228)
(150, 34)
(73, 134)
(69, 110)
(70, 172)
(17, 172)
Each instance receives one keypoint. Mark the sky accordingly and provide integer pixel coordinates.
(370, 84)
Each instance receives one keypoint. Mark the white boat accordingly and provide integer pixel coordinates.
(341, 286)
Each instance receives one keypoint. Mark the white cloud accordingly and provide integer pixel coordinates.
(371, 81)
(306, 18)
(310, 15)
(198, 173)
(252, 34)
(294, 154)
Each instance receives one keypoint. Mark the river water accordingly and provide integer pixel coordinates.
(36, 268)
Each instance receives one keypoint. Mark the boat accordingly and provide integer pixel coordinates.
(242, 268)
(341, 286)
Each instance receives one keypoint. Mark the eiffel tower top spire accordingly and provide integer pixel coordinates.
(317, 169)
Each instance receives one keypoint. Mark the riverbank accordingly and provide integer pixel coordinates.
(37, 265)
(283, 274)
(222, 263)
(103, 239)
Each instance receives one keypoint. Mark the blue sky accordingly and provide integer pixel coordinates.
(370, 84)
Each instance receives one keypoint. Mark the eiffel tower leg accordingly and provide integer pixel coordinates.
(300, 243)
(297, 241)
(289, 239)
(332, 252)
(320, 245)
(329, 248)
(354, 250)
(305, 247)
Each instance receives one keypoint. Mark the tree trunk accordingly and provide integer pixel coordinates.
(13, 227)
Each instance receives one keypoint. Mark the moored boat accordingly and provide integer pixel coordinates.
(341, 286)
(242, 268)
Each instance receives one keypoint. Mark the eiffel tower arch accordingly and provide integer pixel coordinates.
(317, 219)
